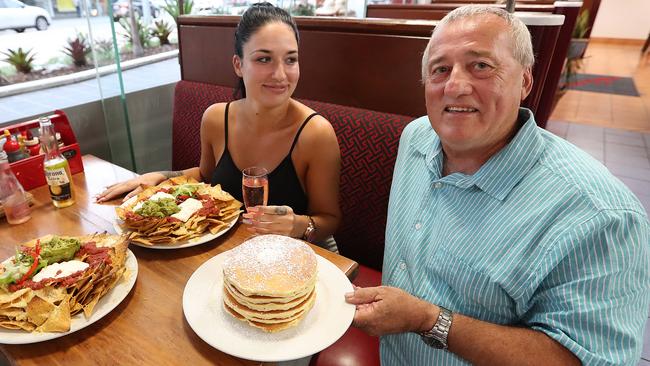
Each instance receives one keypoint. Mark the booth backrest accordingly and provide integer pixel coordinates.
(546, 85)
(366, 63)
(368, 142)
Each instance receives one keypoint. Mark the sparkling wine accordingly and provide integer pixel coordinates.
(255, 191)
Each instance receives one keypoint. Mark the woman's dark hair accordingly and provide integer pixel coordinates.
(257, 16)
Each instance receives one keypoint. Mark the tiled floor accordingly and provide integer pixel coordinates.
(608, 110)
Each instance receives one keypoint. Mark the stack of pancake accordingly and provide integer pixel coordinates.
(269, 282)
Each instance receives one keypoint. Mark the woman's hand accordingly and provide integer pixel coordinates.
(273, 220)
(133, 186)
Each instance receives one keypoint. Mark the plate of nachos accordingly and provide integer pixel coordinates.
(57, 285)
(179, 212)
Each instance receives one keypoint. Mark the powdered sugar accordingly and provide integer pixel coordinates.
(270, 262)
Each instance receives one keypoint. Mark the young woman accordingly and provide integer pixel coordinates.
(267, 128)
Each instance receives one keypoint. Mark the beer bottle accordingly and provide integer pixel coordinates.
(57, 170)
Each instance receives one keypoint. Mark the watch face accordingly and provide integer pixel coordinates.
(432, 342)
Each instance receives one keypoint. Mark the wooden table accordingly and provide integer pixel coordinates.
(148, 327)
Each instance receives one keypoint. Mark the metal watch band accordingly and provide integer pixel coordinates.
(437, 336)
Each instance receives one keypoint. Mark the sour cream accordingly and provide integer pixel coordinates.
(188, 208)
(65, 268)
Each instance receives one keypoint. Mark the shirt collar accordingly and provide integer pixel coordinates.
(502, 171)
(498, 176)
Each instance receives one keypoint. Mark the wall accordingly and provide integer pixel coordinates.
(627, 19)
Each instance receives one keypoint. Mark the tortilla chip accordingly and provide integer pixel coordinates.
(38, 310)
(7, 298)
(59, 319)
(51, 294)
(13, 324)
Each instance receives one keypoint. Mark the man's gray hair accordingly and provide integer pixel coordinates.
(522, 46)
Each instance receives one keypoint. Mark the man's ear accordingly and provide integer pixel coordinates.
(527, 83)
(236, 64)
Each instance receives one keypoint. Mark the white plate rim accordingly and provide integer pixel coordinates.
(213, 266)
(104, 306)
(183, 244)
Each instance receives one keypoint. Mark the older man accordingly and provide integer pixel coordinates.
(505, 244)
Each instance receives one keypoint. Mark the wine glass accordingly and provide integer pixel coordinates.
(255, 186)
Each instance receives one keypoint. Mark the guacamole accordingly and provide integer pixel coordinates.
(59, 249)
(160, 208)
(185, 190)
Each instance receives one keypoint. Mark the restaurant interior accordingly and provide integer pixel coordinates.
(360, 70)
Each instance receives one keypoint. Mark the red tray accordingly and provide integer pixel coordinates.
(30, 171)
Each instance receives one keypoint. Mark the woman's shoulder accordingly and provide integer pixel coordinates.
(214, 115)
(318, 131)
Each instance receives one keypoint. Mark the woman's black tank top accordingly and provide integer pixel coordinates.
(284, 186)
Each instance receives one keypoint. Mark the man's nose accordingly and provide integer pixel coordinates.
(458, 84)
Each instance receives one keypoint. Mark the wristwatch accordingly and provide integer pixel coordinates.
(437, 336)
(310, 230)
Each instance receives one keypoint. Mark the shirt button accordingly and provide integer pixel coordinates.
(402, 265)
(418, 226)
(437, 185)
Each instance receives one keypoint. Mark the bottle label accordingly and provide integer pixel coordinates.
(56, 176)
(57, 179)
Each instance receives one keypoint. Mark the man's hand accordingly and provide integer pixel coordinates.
(386, 310)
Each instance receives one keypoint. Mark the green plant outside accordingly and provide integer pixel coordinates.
(143, 33)
(161, 30)
(78, 50)
(173, 9)
(303, 10)
(21, 60)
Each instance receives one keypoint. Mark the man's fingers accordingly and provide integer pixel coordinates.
(362, 295)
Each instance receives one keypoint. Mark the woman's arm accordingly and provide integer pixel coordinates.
(209, 133)
(320, 148)
(318, 156)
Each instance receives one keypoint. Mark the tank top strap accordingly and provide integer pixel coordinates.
(295, 139)
(225, 128)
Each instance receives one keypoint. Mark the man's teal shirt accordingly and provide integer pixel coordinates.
(541, 236)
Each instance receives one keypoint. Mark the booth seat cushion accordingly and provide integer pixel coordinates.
(368, 142)
(367, 277)
(355, 348)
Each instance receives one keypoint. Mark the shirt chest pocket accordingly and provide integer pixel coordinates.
(470, 290)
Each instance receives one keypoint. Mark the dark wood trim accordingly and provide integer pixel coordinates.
(401, 27)
(436, 11)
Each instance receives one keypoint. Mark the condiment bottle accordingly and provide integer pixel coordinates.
(12, 148)
(12, 194)
(57, 169)
(59, 141)
(33, 146)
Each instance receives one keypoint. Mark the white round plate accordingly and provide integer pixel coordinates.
(105, 305)
(182, 244)
(325, 323)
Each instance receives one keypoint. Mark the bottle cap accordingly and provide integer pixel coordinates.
(44, 121)
(11, 145)
(32, 142)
